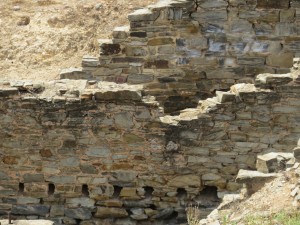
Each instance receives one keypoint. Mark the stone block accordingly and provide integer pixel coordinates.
(272, 4)
(124, 120)
(79, 213)
(57, 210)
(101, 151)
(27, 200)
(121, 32)
(160, 41)
(269, 17)
(38, 210)
(62, 179)
(287, 29)
(272, 80)
(107, 47)
(143, 15)
(29, 178)
(135, 51)
(120, 95)
(111, 203)
(80, 202)
(128, 192)
(207, 4)
(69, 162)
(175, 13)
(251, 61)
(138, 214)
(105, 212)
(88, 169)
(185, 181)
(287, 15)
(6, 92)
(241, 26)
(140, 78)
(211, 177)
(272, 162)
(210, 16)
(297, 153)
(90, 61)
(74, 73)
(284, 59)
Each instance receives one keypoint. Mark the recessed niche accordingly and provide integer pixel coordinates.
(148, 191)
(51, 189)
(117, 191)
(181, 193)
(21, 188)
(85, 190)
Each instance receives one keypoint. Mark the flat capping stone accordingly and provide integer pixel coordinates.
(270, 80)
(245, 176)
(273, 4)
(144, 14)
(8, 91)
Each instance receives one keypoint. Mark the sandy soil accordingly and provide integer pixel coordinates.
(273, 198)
(40, 37)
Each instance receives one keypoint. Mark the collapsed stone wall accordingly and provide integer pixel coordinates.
(85, 152)
(184, 50)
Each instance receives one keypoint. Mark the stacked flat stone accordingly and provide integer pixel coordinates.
(87, 152)
(184, 50)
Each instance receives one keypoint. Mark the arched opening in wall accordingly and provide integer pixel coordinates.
(85, 190)
(21, 188)
(171, 218)
(148, 191)
(117, 191)
(181, 193)
(208, 197)
(51, 189)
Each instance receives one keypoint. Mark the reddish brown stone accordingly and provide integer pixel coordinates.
(273, 4)
(9, 160)
(110, 49)
(46, 153)
(159, 64)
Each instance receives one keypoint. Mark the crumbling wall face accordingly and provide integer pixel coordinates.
(91, 159)
(185, 50)
(96, 155)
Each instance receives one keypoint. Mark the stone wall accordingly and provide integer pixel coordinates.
(85, 152)
(184, 50)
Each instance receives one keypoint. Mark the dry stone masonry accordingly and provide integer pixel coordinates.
(86, 152)
(108, 146)
(184, 50)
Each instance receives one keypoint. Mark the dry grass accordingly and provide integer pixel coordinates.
(193, 215)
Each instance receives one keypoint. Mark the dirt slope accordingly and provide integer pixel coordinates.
(274, 197)
(40, 37)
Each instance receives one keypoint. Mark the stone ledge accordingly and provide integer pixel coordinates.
(267, 80)
(74, 90)
(27, 222)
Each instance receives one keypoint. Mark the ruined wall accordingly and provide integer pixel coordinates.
(185, 50)
(82, 152)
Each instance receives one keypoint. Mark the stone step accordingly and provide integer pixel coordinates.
(121, 32)
(74, 74)
(273, 161)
